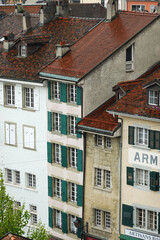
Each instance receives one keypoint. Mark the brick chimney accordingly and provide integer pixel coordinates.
(26, 21)
(62, 49)
(47, 12)
(112, 9)
(62, 8)
(8, 41)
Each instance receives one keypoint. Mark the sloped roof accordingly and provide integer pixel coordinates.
(28, 8)
(11, 236)
(127, 85)
(135, 102)
(60, 29)
(99, 119)
(99, 44)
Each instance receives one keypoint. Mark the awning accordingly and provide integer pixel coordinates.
(125, 237)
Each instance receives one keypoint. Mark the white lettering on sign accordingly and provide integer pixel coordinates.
(140, 235)
(144, 158)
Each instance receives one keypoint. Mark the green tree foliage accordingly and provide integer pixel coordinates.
(38, 232)
(12, 219)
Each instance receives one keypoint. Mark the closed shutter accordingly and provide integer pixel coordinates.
(64, 156)
(64, 124)
(26, 137)
(131, 135)
(49, 90)
(18, 96)
(49, 121)
(130, 176)
(157, 140)
(31, 138)
(80, 228)
(127, 215)
(79, 96)
(36, 99)
(63, 92)
(64, 191)
(12, 134)
(79, 160)
(151, 139)
(1, 94)
(154, 181)
(79, 195)
(50, 214)
(7, 133)
(50, 187)
(49, 152)
(64, 223)
(79, 135)
(159, 222)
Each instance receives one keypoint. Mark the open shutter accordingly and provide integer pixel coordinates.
(64, 223)
(1, 94)
(79, 195)
(131, 135)
(26, 137)
(7, 133)
(36, 99)
(79, 135)
(50, 188)
(50, 214)
(31, 138)
(154, 181)
(49, 121)
(64, 156)
(127, 215)
(49, 152)
(18, 96)
(159, 222)
(151, 139)
(64, 191)
(63, 92)
(79, 160)
(49, 90)
(157, 140)
(64, 124)
(130, 176)
(12, 134)
(80, 229)
(79, 96)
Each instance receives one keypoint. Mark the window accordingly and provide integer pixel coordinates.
(102, 219)
(33, 213)
(73, 157)
(153, 97)
(102, 178)
(72, 227)
(107, 175)
(98, 177)
(10, 95)
(99, 140)
(142, 177)
(29, 137)
(17, 204)
(56, 122)
(58, 187)
(58, 218)
(10, 133)
(107, 217)
(103, 142)
(31, 180)
(72, 125)
(72, 93)
(138, 8)
(57, 152)
(23, 51)
(12, 176)
(55, 90)
(142, 136)
(29, 98)
(146, 219)
(72, 192)
(98, 218)
(108, 142)
(129, 58)
(152, 8)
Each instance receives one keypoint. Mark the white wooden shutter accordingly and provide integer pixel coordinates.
(26, 137)
(7, 132)
(12, 134)
(1, 94)
(36, 99)
(18, 92)
(31, 138)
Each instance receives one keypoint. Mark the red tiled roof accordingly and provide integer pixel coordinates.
(127, 85)
(31, 9)
(68, 29)
(135, 102)
(10, 236)
(99, 44)
(100, 119)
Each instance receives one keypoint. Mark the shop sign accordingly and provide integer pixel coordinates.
(140, 235)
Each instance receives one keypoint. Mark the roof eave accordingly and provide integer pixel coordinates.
(97, 130)
(56, 77)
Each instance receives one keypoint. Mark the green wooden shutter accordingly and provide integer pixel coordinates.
(79, 160)
(49, 89)
(64, 156)
(64, 124)
(64, 191)
(79, 135)
(49, 121)
(64, 222)
(157, 140)
(50, 215)
(79, 195)
(151, 139)
(154, 181)
(130, 176)
(127, 215)
(159, 222)
(50, 188)
(131, 135)
(80, 229)
(63, 92)
(49, 152)
(79, 96)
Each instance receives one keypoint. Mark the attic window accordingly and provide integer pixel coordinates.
(129, 58)
(23, 51)
(153, 97)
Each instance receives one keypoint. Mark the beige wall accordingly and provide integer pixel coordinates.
(107, 200)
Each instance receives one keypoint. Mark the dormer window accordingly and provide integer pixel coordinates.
(153, 97)
(23, 51)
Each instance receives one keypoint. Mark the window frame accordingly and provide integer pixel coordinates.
(138, 5)
(33, 213)
(73, 157)
(102, 181)
(28, 98)
(72, 227)
(57, 219)
(57, 153)
(27, 141)
(130, 62)
(55, 90)
(12, 95)
(72, 192)
(31, 181)
(72, 93)
(142, 136)
(57, 187)
(23, 51)
(56, 124)
(102, 219)
(13, 177)
(157, 103)
(72, 125)
(10, 141)
(142, 178)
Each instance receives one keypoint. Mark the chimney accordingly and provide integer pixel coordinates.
(47, 12)
(26, 21)
(62, 8)
(158, 7)
(62, 49)
(8, 41)
(112, 9)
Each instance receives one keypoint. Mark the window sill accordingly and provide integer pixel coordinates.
(56, 229)
(10, 106)
(72, 235)
(12, 185)
(72, 169)
(141, 147)
(59, 199)
(147, 231)
(131, 70)
(109, 190)
(101, 229)
(73, 204)
(56, 132)
(33, 149)
(73, 104)
(55, 100)
(11, 145)
(28, 109)
(31, 189)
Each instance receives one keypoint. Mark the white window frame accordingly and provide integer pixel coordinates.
(72, 93)
(129, 63)
(102, 178)
(57, 153)
(31, 180)
(98, 218)
(142, 177)
(72, 227)
(152, 98)
(9, 176)
(58, 187)
(28, 97)
(140, 7)
(99, 141)
(12, 176)
(152, 8)
(73, 192)
(29, 137)
(10, 95)
(58, 218)
(102, 219)
(56, 122)
(108, 142)
(98, 177)
(55, 90)
(33, 213)
(73, 157)
(72, 125)
(10, 133)
(23, 51)
(107, 220)
(142, 136)
(107, 179)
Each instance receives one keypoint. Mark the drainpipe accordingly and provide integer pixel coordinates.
(120, 168)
